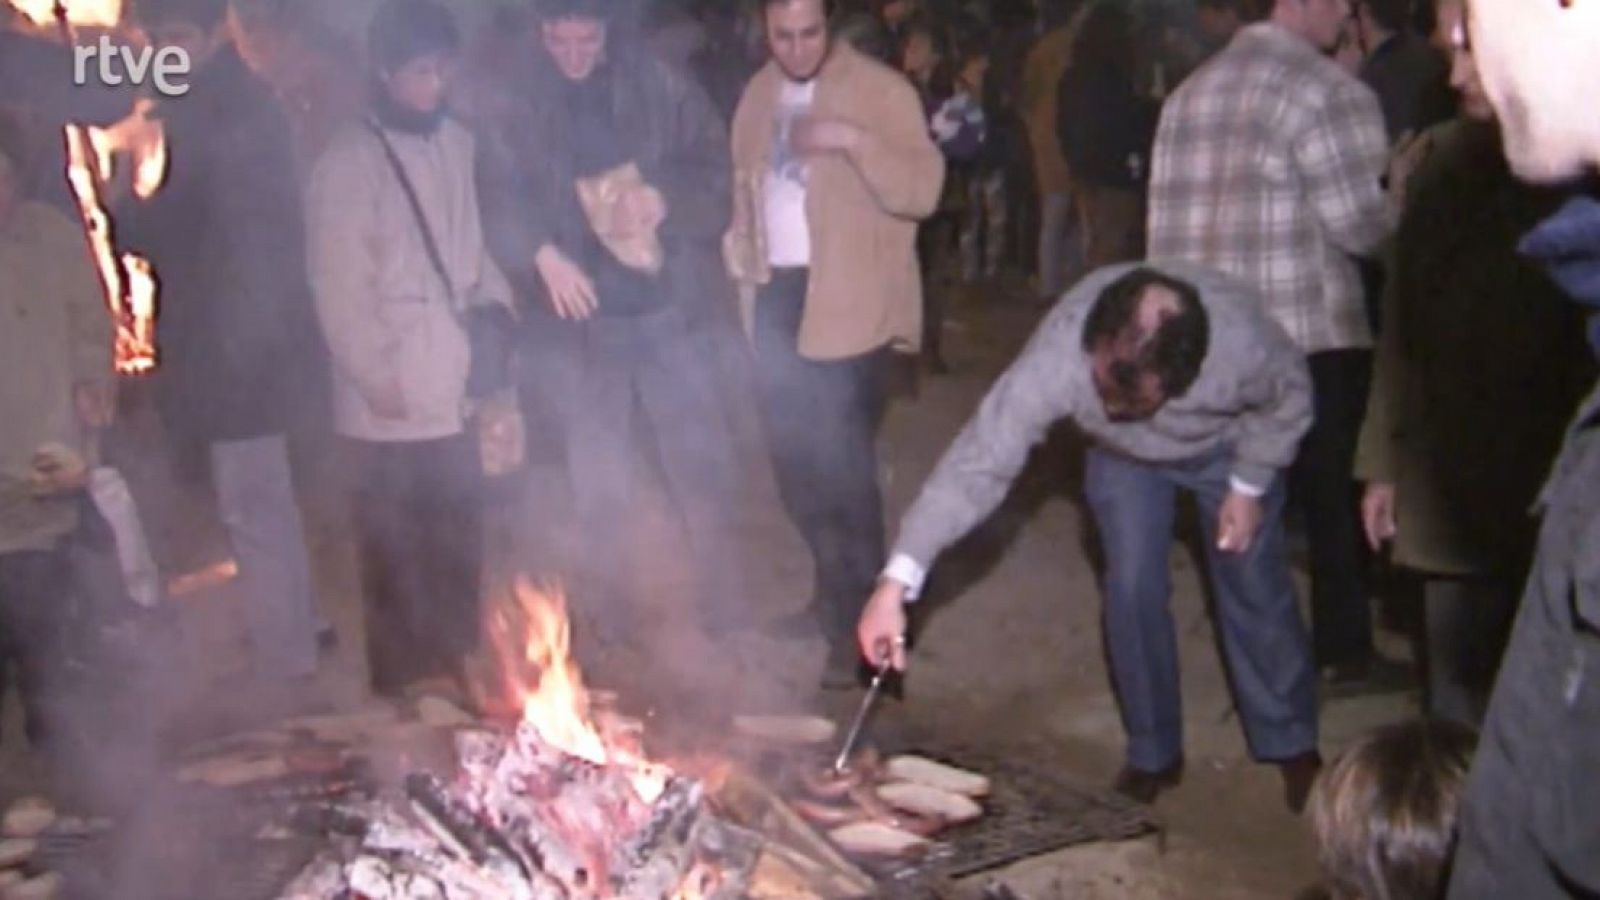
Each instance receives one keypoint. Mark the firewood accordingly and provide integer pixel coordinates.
(357, 727)
(44, 887)
(16, 851)
(441, 713)
(235, 769)
(801, 730)
(28, 817)
(754, 805)
(778, 878)
(652, 864)
(323, 877)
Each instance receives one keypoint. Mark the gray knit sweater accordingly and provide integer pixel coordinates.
(1253, 395)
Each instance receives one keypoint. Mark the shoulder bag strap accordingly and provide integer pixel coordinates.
(428, 242)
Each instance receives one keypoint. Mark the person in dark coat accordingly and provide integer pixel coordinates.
(1409, 75)
(620, 357)
(226, 238)
(1452, 450)
(37, 92)
(1106, 129)
(1531, 817)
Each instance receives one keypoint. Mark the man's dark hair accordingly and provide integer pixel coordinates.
(603, 10)
(1174, 353)
(829, 7)
(1105, 41)
(203, 14)
(1395, 15)
(403, 30)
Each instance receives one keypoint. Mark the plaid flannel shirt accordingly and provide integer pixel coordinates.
(1268, 165)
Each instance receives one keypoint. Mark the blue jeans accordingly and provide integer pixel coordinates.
(1264, 640)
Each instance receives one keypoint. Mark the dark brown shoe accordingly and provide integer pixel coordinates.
(1299, 773)
(1143, 787)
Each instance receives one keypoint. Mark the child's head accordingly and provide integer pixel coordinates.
(1384, 812)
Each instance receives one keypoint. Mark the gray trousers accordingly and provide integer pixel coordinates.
(256, 497)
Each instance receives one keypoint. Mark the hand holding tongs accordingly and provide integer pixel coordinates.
(852, 736)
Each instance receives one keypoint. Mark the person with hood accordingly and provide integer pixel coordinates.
(605, 189)
(392, 282)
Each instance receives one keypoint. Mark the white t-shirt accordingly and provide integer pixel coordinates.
(788, 234)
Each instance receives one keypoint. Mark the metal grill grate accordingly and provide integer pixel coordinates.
(1030, 811)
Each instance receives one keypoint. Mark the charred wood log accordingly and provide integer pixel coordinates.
(322, 878)
(652, 864)
(476, 841)
(453, 825)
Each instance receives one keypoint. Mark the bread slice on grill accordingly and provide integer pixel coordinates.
(876, 839)
(924, 771)
(930, 802)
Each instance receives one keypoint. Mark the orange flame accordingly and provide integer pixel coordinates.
(129, 280)
(532, 635)
(140, 137)
(93, 13)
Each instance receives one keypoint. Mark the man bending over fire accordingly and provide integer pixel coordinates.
(1181, 382)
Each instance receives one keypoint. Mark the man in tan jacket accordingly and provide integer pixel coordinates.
(833, 167)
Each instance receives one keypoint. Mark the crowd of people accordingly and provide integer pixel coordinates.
(1300, 260)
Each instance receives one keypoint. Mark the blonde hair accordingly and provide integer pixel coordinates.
(1384, 812)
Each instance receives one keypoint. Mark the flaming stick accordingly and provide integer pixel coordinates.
(129, 280)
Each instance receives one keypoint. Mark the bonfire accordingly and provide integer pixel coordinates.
(560, 804)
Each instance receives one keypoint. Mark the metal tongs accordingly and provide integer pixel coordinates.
(853, 736)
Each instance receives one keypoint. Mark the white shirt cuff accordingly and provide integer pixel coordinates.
(908, 572)
(1240, 486)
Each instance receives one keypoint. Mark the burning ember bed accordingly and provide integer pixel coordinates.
(553, 795)
(559, 803)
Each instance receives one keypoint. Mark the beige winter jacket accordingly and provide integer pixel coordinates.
(384, 311)
(55, 332)
(865, 290)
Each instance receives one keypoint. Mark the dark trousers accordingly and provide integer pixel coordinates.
(1324, 484)
(936, 238)
(418, 519)
(1263, 636)
(1113, 219)
(822, 422)
(34, 606)
(1466, 624)
(635, 384)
